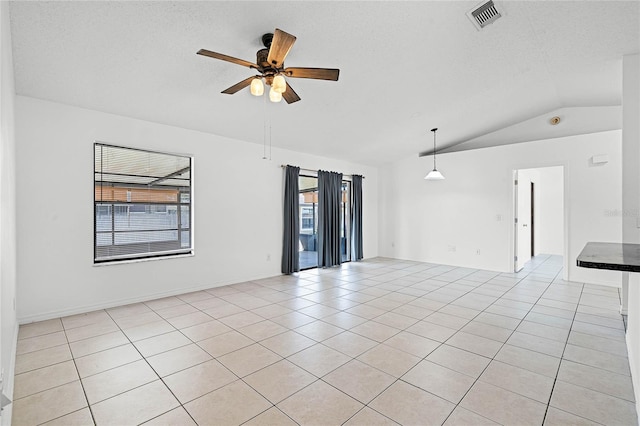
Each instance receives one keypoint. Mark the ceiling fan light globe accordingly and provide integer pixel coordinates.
(274, 96)
(257, 88)
(279, 83)
(434, 175)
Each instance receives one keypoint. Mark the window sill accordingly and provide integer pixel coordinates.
(143, 259)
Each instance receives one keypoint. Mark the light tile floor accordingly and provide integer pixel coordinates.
(375, 342)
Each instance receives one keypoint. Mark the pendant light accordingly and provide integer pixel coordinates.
(434, 174)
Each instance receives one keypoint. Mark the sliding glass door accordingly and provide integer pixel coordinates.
(309, 222)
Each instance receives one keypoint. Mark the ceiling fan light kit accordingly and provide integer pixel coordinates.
(270, 64)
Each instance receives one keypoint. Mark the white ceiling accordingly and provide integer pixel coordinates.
(405, 67)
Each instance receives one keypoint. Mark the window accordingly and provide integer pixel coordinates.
(142, 204)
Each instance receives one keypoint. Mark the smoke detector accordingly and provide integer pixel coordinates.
(484, 14)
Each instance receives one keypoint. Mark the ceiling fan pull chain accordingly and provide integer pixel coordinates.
(264, 128)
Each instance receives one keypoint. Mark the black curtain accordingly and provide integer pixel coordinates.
(356, 216)
(291, 228)
(329, 198)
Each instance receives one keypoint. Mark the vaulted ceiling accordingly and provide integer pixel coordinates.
(405, 67)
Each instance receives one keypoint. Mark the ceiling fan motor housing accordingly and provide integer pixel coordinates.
(261, 58)
(267, 39)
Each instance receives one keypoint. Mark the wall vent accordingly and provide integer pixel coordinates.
(484, 14)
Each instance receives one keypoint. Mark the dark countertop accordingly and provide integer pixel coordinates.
(613, 256)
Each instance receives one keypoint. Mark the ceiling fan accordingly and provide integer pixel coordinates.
(270, 65)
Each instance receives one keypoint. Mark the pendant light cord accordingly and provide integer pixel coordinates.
(434, 147)
(266, 119)
(434, 150)
(270, 145)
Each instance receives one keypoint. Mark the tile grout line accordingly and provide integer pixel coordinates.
(423, 358)
(441, 343)
(152, 369)
(212, 357)
(550, 282)
(238, 377)
(329, 372)
(503, 344)
(555, 379)
(84, 391)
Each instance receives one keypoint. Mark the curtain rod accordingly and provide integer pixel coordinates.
(311, 170)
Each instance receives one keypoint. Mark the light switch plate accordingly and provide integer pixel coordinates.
(600, 159)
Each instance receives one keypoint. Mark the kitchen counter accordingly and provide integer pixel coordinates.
(615, 257)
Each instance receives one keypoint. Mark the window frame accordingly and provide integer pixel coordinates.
(112, 205)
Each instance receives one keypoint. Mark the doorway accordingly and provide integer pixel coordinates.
(538, 213)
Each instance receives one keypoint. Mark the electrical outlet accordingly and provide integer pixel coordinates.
(268, 257)
(477, 251)
(499, 217)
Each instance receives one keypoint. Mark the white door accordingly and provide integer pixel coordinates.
(523, 217)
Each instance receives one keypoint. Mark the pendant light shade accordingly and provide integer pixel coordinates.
(434, 174)
(279, 84)
(274, 96)
(257, 88)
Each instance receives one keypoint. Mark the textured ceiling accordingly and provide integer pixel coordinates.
(405, 67)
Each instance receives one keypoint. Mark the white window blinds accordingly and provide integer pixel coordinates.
(142, 204)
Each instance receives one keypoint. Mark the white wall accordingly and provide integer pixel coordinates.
(473, 207)
(631, 202)
(237, 205)
(549, 211)
(8, 324)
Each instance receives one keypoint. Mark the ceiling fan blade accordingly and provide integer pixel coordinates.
(316, 73)
(238, 86)
(290, 95)
(215, 55)
(280, 46)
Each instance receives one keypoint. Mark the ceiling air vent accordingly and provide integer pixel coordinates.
(484, 14)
